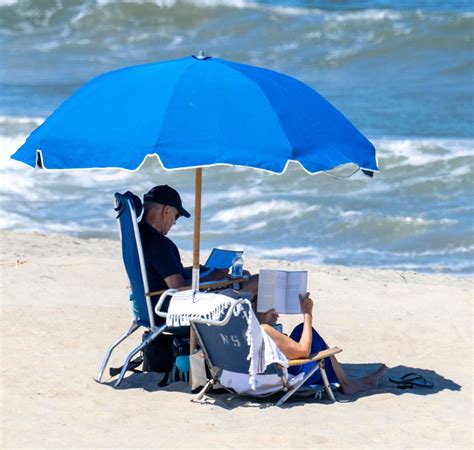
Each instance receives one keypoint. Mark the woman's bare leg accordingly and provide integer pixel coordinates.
(353, 386)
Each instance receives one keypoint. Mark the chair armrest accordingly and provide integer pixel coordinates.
(205, 285)
(316, 357)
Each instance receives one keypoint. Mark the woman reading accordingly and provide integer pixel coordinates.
(304, 341)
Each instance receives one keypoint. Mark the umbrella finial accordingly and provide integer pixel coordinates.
(201, 55)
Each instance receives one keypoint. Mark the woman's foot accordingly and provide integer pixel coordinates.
(365, 383)
(374, 378)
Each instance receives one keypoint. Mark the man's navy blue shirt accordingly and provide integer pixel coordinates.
(162, 257)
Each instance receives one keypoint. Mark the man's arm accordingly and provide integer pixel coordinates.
(176, 281)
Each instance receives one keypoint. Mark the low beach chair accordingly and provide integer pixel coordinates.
(226, 347)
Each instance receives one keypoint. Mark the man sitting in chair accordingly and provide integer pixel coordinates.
(162, 207)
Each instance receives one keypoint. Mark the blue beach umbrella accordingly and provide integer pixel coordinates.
(196, 111)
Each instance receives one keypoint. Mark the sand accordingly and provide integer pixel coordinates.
(67, 300)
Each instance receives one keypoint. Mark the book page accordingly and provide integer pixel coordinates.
(297, 283)
(271, 290)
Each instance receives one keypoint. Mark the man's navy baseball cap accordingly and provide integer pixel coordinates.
(166, 195)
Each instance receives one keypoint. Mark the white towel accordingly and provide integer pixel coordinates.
(263, 350)
(188, 305)
(264, 384)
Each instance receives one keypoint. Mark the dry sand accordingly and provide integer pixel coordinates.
(65, 304)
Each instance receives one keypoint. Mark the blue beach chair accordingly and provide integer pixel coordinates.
(225, 347)
(128, 207)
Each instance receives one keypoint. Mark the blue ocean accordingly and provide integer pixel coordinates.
(401, 71)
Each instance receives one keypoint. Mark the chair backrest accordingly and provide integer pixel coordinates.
(127, 206)
(226, 345)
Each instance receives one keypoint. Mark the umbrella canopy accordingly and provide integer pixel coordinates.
(196, 112)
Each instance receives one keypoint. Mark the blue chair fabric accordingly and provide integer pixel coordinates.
(126, 208)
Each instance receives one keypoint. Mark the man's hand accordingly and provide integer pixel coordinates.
(217, 274)
(306, 304)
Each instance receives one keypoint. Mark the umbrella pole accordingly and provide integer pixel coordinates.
(197, 228)
(196, 243)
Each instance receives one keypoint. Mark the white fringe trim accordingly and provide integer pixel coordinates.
(183, 319)
(254, 362)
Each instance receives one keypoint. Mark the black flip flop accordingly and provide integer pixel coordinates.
(411, 380)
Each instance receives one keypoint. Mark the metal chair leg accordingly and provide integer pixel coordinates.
(290, 392)
(326, 384)
(139, 347)
(134, 327)
(296, 386)
(201, 393)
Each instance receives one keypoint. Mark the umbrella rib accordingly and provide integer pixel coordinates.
(266, 97)
(167, 107)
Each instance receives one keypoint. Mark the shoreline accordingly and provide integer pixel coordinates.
(65, 305)
(253, 262)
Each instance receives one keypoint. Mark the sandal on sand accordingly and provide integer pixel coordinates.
(411, 380)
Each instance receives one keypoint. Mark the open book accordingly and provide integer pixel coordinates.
(280, 289)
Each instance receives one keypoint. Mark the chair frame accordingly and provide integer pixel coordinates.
(286, 387)
(153, 330)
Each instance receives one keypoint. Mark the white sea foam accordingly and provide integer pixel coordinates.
(8, 145)
(9, 220)
(423, 151)
(160, 3)
(416, 253)
(14, 120)
(371, 15)
(453, 267)
(350, 213)
(288, 208)
(220, 198)
(253, 226)
(415, 221)
(237, 4)
(198, 3)
(285, 252)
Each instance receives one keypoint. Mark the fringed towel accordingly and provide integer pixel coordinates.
(263, 350)
(189, 305)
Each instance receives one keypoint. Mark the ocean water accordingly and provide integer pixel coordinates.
(402, 72)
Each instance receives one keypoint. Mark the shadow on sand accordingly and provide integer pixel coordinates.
(222, 398)
(386, 386)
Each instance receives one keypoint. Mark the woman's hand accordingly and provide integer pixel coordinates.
(306, 304)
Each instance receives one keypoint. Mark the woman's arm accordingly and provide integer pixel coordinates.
(290, 348)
